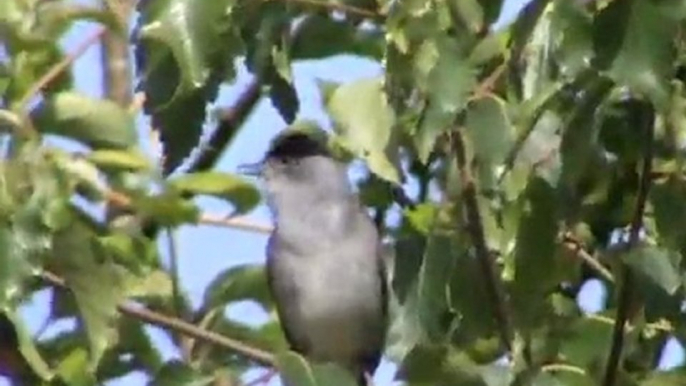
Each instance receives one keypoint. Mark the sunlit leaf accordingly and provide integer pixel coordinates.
(236, 190)
(364, 123)
(97, 285)
(95, 122)
(243, 282)
(185, 50)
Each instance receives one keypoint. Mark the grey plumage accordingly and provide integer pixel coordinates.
(323, 258)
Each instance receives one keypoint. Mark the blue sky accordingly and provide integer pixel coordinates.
(205, 251)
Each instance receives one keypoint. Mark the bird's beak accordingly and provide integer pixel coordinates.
(254, 169)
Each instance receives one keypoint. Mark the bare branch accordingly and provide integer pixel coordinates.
(626, 290)
(476, 232)
(151, 317)
(230, 120)
(60, 66)
(578, 250)
(242, 223)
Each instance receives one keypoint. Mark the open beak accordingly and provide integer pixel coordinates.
(254, 169)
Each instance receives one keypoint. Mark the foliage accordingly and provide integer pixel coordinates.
(545, 155)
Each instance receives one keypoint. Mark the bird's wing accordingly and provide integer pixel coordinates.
(285, 291)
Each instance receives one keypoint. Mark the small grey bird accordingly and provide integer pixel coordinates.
(324, 262)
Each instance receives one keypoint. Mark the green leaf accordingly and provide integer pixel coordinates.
(439, 364)
(328, 374)
(99, 123)
(119, 160)
(268, 337)
(296, 370)
(579, 141)
(175, 373)
(167, 209)
(491, 9)
(476, 333)
(489, 129)
(422, 217)
(334, 37)
(450, 82)
(656, 264)
(671, 378)
(284, 96)
(441, 254)
(96, 283)
(470, 12)
(669, 206)
(573, 34)
(74, 369)
(536, 264)
(15, 336)
(243, 282)
(135, 252)
(633, 41)
(587, 341)
(17, 265)
(538, 72)
(236, 190)
(134, 351)
(186, 50)
(364, 122)
(33, 196)
(156, 283)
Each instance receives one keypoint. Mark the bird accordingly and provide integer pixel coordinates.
(324, 266)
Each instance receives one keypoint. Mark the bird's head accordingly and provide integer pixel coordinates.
(299, 165)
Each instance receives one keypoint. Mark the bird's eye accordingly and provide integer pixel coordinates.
(288, 161)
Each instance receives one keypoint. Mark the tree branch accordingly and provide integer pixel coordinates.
(575, 247)
(115, 58)
(60, 66)
(626, 294)
(238, 222)
(242, 223)
(476, 233)
(230, 120)
(171, 323)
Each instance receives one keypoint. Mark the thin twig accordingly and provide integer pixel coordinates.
(230, 120)
(60, 66)
(626, 292)
(476, 232)
(578, 250)
(484, 88)
(242, 223)
(175, 324)
(339, 7)
(237, 222)
(115, 55)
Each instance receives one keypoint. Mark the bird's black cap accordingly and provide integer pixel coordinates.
(297, 144)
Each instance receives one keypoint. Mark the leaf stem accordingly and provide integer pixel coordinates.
(626, 294)
(476, 231)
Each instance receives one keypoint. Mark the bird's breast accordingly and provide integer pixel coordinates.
(339, 304)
